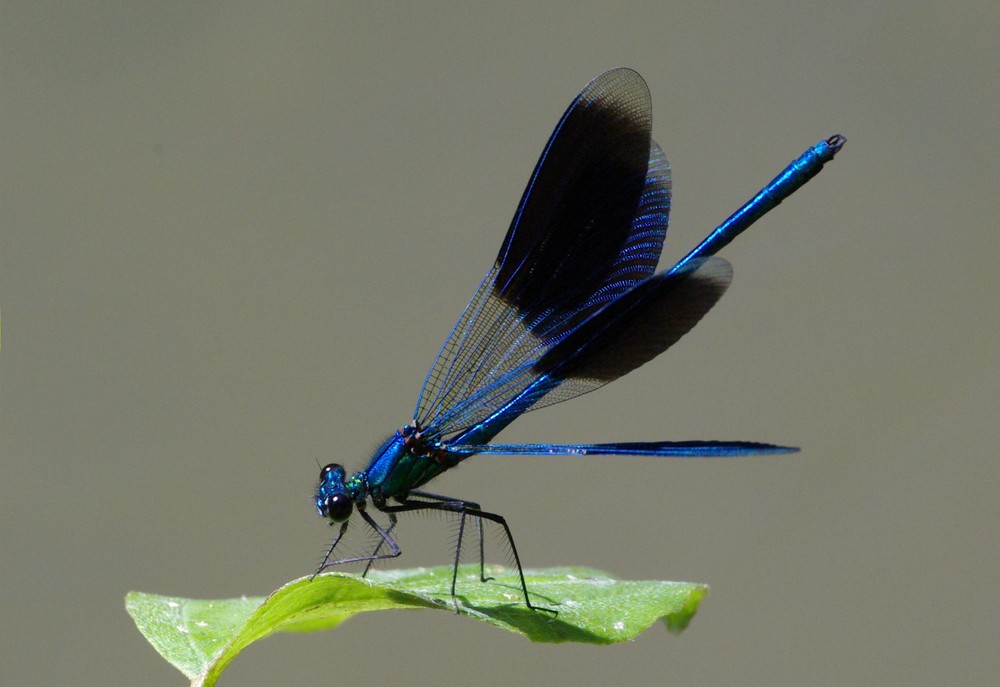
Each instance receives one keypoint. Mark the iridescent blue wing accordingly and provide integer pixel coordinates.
(624, 334)
(629, 331)
(590, 226)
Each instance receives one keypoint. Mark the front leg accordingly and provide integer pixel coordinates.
(387, 539)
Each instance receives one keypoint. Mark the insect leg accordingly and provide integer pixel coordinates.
(329, 552)
(378, 547)
(467, 508)
(479, 527)
(375, 555)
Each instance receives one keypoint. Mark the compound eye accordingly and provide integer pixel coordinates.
(330, 469)
(338, 507)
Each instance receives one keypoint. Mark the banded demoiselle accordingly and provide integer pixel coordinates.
(570, 304)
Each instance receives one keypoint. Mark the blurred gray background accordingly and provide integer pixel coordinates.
(235, 235)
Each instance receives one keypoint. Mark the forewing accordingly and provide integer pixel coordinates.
(590, 226)
(575, 217)
(626, 333)
(632, 330)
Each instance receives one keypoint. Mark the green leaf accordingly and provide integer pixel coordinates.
(200, 637)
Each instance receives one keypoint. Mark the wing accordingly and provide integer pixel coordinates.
(626, 333)
(590, 227)
(670, 449)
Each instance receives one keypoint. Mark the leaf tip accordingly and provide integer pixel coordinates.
(678, 621)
